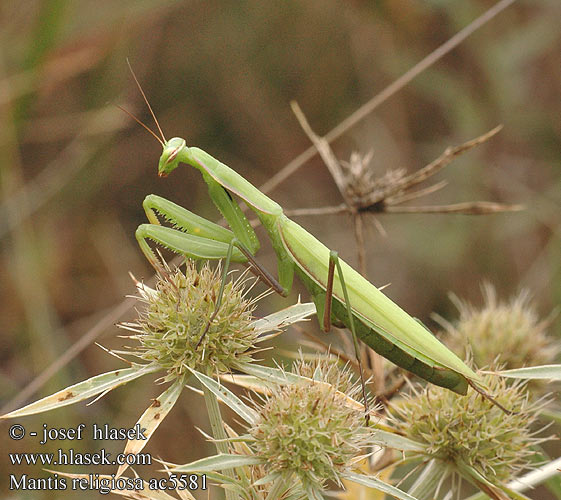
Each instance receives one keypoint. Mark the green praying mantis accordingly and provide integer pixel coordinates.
(342, 296)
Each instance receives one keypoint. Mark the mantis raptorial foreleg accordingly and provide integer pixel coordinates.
(197, 238)
(200, 239)
(233, 214)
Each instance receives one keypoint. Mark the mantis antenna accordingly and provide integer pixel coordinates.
(146, 101)
(140, 123)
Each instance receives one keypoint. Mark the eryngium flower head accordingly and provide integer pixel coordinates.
(310, 430)
(470, 429)
(511, 331)
(177, 313)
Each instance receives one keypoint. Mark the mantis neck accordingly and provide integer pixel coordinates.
(230, 180)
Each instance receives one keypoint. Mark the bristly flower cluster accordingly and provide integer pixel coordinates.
(309, 429)
(470, 430)
(176, 315)
(511, 330)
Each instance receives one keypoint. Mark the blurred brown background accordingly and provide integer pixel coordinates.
(75, 169)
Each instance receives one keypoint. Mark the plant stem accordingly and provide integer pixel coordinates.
(218, 431)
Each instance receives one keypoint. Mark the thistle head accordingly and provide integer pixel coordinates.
(308, 429)
(512, 330)
(177, 313)
(470, 430)
(169, 160)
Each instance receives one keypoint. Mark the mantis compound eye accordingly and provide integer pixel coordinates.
(172, 156)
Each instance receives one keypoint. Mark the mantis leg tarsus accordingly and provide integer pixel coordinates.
(490, 398)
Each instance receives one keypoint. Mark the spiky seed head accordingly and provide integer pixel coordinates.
(176, 314)
(307, 429)
(470, 429)
(511, 331)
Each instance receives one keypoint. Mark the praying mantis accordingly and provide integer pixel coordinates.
(342, 296)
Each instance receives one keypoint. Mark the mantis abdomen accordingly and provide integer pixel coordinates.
(375, 314)
(389, 349)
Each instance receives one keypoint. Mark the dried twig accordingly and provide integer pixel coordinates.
(362, 192)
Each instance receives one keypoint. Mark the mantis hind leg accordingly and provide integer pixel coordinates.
(334, 263)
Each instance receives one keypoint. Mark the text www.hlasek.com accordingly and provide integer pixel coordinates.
(74, 458)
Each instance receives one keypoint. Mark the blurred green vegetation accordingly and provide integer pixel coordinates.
(74, 169)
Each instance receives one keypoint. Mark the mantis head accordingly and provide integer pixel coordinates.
(169, 159)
